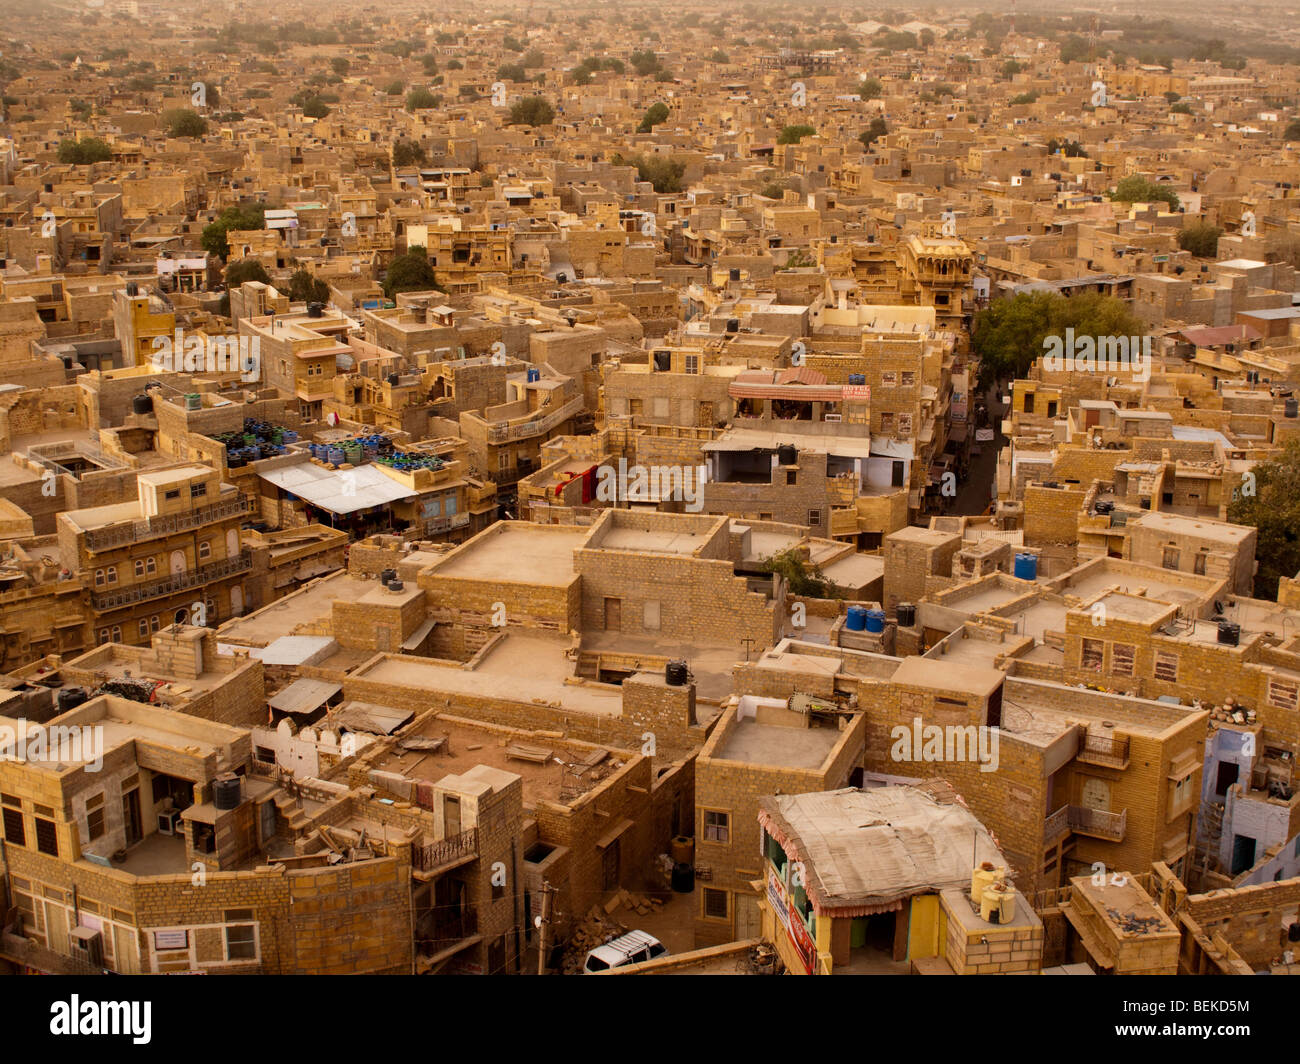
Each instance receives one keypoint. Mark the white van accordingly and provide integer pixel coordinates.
(632, 948)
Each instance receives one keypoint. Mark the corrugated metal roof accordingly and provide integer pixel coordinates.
(304, 696)
(868, 849)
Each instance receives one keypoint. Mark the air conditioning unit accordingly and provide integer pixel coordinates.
(87, 945)
(167, 821)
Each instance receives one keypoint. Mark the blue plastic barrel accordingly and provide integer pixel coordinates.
(1026, 567)
(875, 620)
(857, 619)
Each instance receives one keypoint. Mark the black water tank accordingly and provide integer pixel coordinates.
(315, 310)
(1229, 633)
(676, 674)
(394, 379)
(142, 404)
(71, 698)
(733, 325)
(906, 614)
(395, 585)
(1293, 932)
(787, 454)
(734, 274)
(683, 878)
(132, 289)
(387, 576)
(226, 791)
(1291, 407)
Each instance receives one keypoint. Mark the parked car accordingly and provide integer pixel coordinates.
(632, 948)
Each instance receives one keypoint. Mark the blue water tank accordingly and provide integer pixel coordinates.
(534, 375)
(857, 619)
(1027, 566)
(875, 620)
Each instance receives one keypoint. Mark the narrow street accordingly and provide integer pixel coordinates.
(976, 492)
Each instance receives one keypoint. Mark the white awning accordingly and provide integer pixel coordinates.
(342, 491)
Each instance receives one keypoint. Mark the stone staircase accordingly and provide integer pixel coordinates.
(294, 815)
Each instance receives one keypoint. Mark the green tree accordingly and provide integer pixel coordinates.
(315, 108)
(84, 151)
(663, 173)
(395, 88)
(644, 62)
(242, 270)
(410, 273)
(1023, 98)
(1201, 239)
(1271, 503)
(794, 134)
(532, 111)
(1011, 68)
(512, 72)
(420, 100)
(1181, 109)
(339, 65)
(1075, 49)
(304, 288)
(870, 88)
(241, 218)
(408, 153)
(873, 132)
(183, 122)
(1007, 336)
(1137, 189)
(719, 56)
(1292, 131)
(1072, 149)
(655, 115)
(802, 577)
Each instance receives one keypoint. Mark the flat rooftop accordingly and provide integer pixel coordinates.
(1133, 579)
(285, 615)
(1036, 705)
(646, 541)
(776, 744)
(516, 552)
(968, 679)
(467, 746)
(1126, 607)
(518, 668)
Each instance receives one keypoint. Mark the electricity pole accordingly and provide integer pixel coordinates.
(544, 926)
